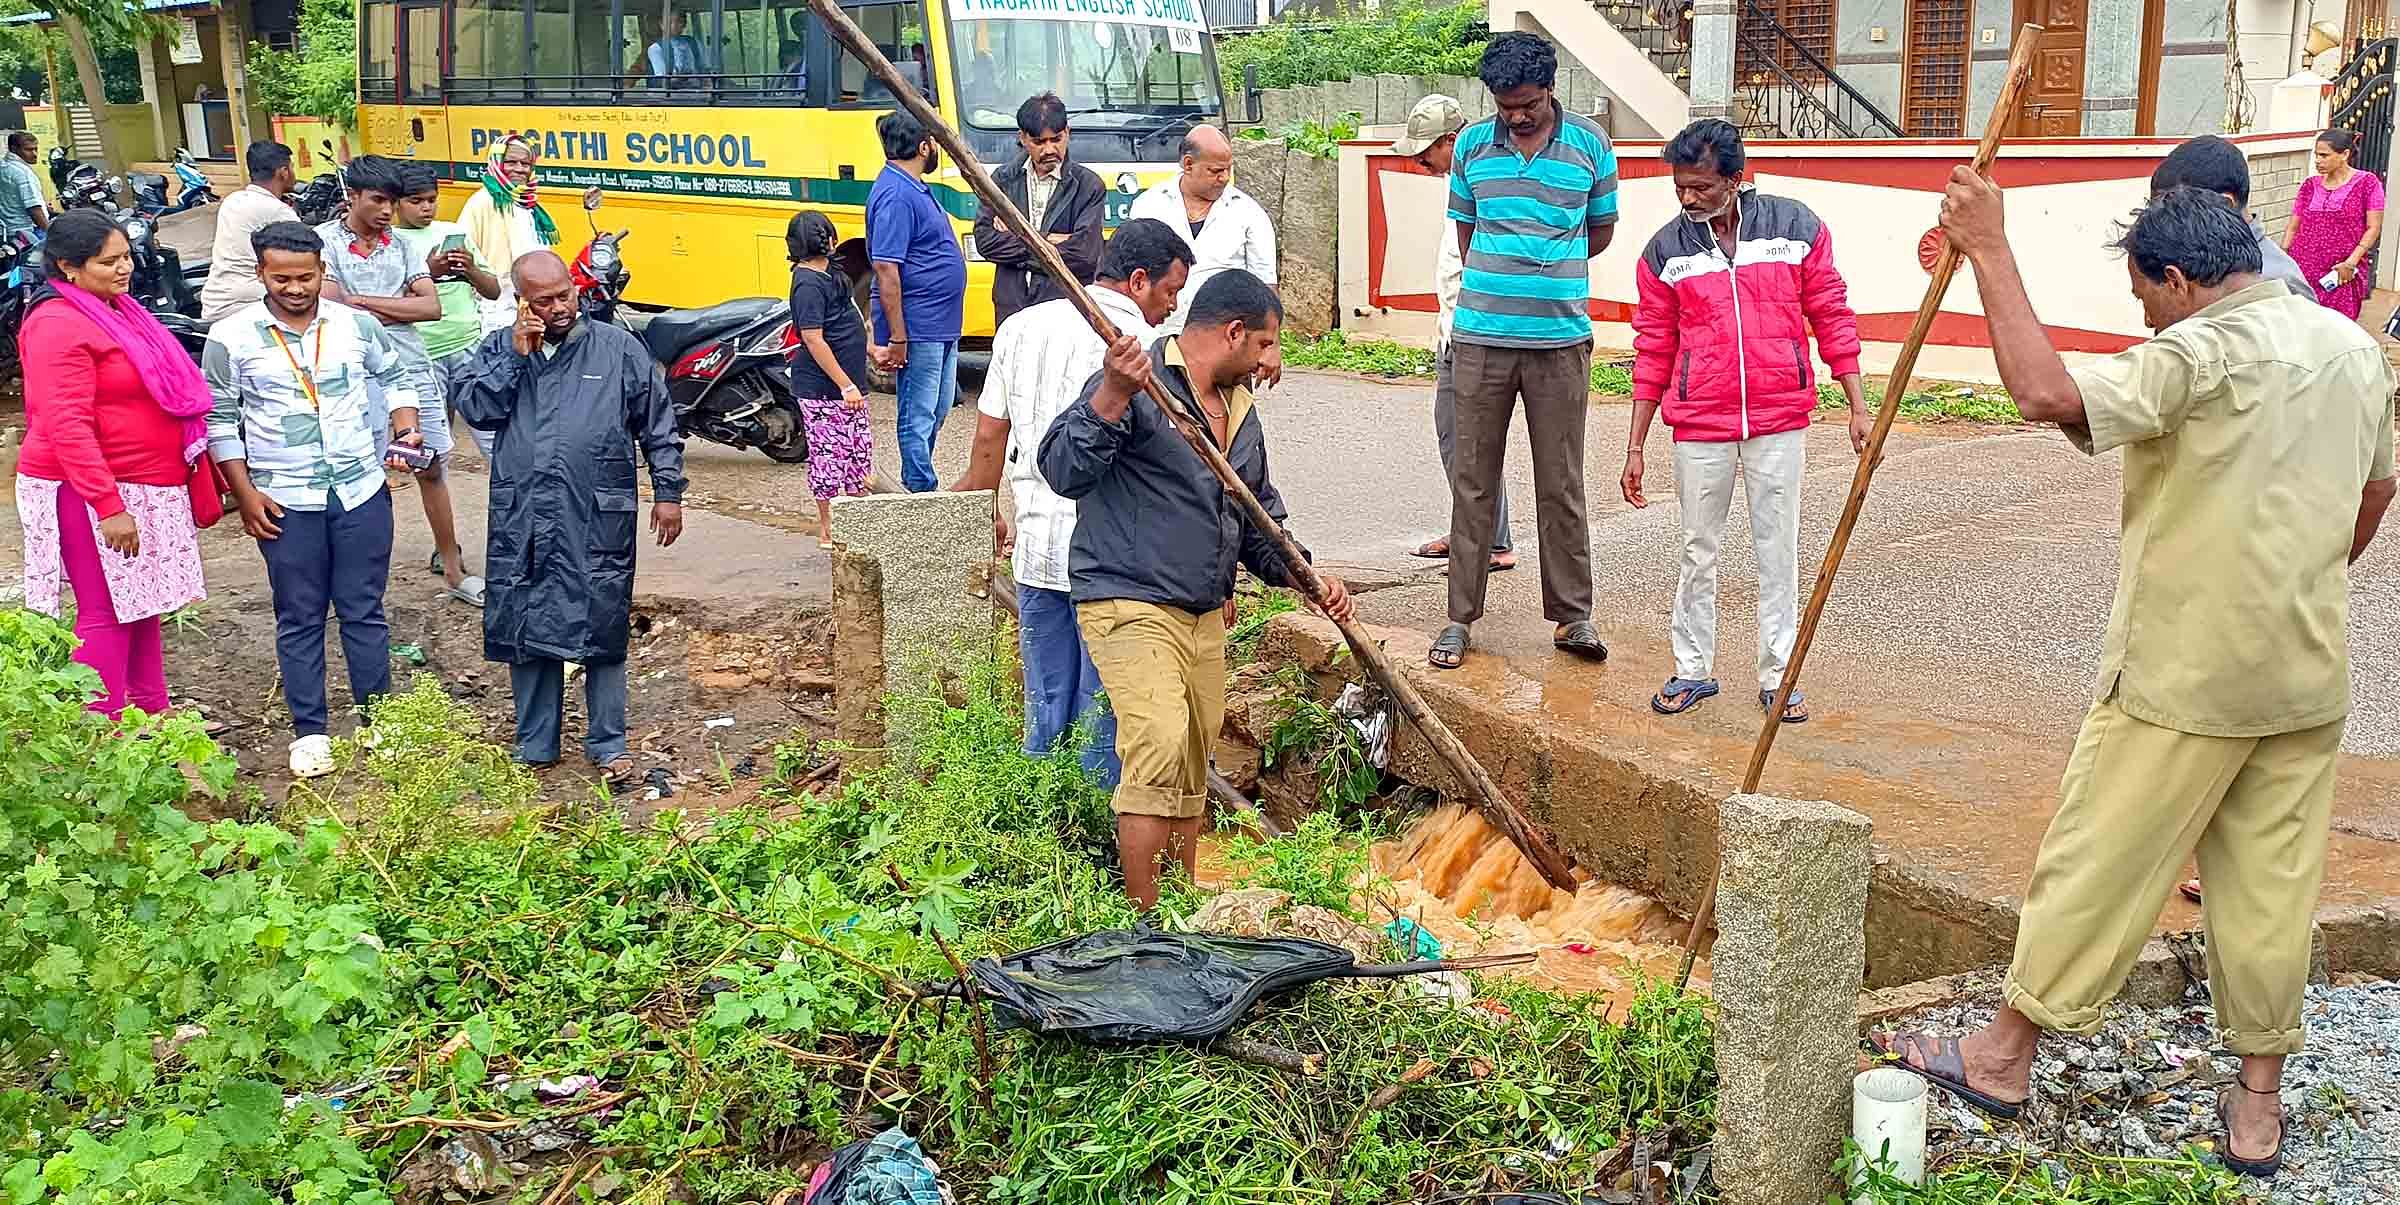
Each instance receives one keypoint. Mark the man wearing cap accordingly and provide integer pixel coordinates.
(1431, 140)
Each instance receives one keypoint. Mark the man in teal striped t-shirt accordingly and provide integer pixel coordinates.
(1533, 190)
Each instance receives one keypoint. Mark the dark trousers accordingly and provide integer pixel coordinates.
(342, 559)
(1445, 439)
(1061, 685)
(1556, 385)
(539, 689)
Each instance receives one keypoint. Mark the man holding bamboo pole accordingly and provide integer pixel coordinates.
(1156, 541)
(2257, 431)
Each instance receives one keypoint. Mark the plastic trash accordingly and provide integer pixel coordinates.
(1413, 938)
(411, 653)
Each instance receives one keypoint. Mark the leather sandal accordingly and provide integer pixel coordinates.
(1449, 649)
(1580, 639)
(1939, 1060)
(2263, 1169)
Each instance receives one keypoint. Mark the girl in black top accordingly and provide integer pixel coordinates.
(826, 375)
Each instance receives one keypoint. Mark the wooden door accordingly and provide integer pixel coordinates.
(1810, 24)
(1933, 102)
(2052, 106)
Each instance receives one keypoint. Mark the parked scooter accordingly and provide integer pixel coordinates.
(727, 365)
(17, 283)
(159, 280)
(150, 189)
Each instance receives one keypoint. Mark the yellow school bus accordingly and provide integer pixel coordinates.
(708, 123)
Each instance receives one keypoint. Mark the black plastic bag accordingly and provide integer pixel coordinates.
(1142, 985)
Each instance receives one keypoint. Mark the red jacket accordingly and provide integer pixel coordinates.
(1723, 348)
(89, 420)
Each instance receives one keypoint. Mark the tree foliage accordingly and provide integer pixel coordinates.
(320, 79)
(1404, 38)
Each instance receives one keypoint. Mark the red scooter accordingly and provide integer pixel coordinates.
(728, 366)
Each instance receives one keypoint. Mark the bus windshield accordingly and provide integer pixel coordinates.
(1119, 64)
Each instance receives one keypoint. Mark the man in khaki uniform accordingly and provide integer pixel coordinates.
(2257, 431)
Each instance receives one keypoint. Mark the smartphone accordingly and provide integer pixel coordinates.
(416, 456)
(454, 244)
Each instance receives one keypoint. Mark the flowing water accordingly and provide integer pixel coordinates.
(1459, 878)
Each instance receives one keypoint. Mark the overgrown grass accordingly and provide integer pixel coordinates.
(1336, 352)
(1308, 137)
(1254, 607)
(247, 1012)
(2076, 1180)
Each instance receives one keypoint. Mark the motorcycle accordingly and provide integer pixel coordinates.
(159, 280)
(20, 270)
(150, 189)
(321, 200)
(726, 365)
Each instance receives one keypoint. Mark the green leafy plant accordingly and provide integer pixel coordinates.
(1337, 352)
(1253, 610)
(1406, 38)
(2022, 1179)
(1307, 137)
(1311, 738)
(320, 79)
(1320, 862)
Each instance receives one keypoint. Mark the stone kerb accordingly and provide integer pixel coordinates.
(1789, 959)
(905, 608)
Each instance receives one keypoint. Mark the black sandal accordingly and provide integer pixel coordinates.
(1449, 649)
(1941, 1064)
(2263, 1169)
(1580, 639)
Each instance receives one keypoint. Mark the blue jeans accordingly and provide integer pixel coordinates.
(539, 690)
(338, 558)
(928, 387)
(1060, 684)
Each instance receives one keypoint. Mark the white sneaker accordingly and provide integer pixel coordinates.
(312, 756)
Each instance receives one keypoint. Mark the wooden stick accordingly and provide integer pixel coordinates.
(1383, 1098)
(1272, 1057)
(1995, 128)
(1504, 815)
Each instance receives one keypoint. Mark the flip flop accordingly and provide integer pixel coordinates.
(1425, 550)
(1680, 695)
(1449, 649)
(1946, 1068)
(1795, 709)
(1580, 639)
(2189, 889)
(618, 773)
(2263, 1169)
(469, 590)
(1501, 566)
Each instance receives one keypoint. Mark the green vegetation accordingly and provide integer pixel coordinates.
(1309, 138)
(320, 79)
(2020, 1180)
(1336, 352)
(1254, 606)
(298, 1008)
(1309, 737)
(1321, 862)
(1405, 38)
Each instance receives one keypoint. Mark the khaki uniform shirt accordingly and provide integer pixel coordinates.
(2249, 429)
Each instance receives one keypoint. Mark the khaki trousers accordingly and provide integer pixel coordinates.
(1164, 670)
(1556, 383)
(2137, 800)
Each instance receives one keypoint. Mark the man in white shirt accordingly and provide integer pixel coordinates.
(232, 265)
(1041, 358)
(1224, 225)
(1432, 140)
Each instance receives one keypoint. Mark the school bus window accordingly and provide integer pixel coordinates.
(898, 30)
(768, 46)
(681, 45)
(378, 45)
(1114, 74)
(573, 49)
(423, 81)
(489, 57)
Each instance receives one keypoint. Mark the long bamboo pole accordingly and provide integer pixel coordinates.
(1505, 816)
(1995, 128)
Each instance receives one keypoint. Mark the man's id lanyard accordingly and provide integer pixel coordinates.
(308, 375)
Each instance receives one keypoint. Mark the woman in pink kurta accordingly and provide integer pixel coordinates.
(2336, 222)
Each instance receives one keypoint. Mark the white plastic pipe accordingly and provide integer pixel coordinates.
(1887, 1106)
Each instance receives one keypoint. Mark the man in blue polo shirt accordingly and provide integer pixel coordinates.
(1533, 191)
(920, 289)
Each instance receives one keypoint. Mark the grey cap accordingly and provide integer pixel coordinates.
(1434, 118)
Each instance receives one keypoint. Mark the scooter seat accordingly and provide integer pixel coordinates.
(671, 334)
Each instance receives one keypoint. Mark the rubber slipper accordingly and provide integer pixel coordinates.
(1449, 649)
(1680, 695)
(2189, 889)
(1947, 1070)
(1798, 703)
(1580, 639)
(2263, 1169)
(618, 773)
(470, 590)
(1426, 552)
(1501, 566)
(434, 563)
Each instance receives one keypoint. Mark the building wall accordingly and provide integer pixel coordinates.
(1872, 67)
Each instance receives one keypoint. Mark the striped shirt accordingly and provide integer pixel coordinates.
(1528, 268)
(304, 438)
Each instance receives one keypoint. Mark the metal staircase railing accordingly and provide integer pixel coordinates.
(1787, 86)
(2362, 101)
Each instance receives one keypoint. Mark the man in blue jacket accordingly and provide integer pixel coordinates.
(1156, 541)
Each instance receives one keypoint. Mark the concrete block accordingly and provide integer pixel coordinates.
(926, 550)
(1346, 97)
(858, 652)
(1395, 95)
(1786, 970)
(1305, 241)
(1258, 168)
(1278, 107)
(1310, 103)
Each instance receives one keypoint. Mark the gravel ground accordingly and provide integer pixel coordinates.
(2145, 1086)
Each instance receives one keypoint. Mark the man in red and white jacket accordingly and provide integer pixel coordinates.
(1729, 293)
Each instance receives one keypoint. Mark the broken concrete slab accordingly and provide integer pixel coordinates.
(916, 591)
(1788, 962)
